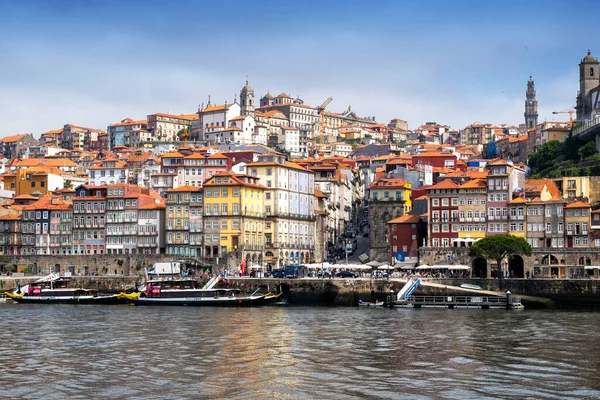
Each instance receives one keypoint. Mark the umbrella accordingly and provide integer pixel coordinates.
(385, 267)
(257, 267)
(374, 264)
(424, 266)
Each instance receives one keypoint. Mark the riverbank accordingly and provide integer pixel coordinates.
(534, 293)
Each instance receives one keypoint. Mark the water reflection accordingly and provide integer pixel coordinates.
(83, 352)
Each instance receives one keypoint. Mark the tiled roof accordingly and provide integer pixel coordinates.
(578, 204)
(405, 219)
(445, 184)
(186, 188)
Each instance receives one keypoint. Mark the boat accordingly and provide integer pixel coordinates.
(55, 288)
(469, 286)
(371, 303)
(184, 291)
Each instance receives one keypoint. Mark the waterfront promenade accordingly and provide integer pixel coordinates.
(539, 293)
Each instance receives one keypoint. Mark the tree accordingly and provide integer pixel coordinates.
(498, 247)
(588, 150)
(546, 156)
(68, 184)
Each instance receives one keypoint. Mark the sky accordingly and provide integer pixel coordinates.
(92, 63)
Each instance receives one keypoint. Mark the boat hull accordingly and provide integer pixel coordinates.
(112, 299)
(205, 301)
(371, 304)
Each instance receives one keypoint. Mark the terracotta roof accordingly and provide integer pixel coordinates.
(13, 138)
(578, 204)
(474, 184)
(237, 179)
(129, 121)
(518, 200)
(318, 193)
(25, 197)
(384, 183)
(152, 206)
(445, 184)
(405, 219)
(188, 117)
(186, 188)
(222, 107)
(42, 162)
(10, 217)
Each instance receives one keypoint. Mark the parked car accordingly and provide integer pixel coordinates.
(346, 274)
(278, 273)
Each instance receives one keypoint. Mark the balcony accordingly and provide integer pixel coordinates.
(252, 247)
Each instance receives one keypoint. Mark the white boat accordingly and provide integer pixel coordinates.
(370, 303)
(469, 286)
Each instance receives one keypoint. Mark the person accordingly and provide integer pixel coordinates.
(527, 274)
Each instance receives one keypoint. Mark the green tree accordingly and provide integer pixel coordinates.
(546, 156)
(588, 150)
(498, 247)
(68, 184)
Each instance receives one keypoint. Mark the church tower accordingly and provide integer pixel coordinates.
(247, 100)
(589, 79)
(531, 106)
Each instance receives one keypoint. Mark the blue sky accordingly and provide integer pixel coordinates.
(93, 63)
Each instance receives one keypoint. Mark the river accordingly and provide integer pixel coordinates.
(126, 352)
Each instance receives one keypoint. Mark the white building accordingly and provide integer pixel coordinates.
(107, 171)
(290, 209)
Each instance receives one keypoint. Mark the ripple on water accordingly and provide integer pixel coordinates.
(76, 352)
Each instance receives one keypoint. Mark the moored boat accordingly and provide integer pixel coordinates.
(55, 288)
(182, 291)
(371, 303)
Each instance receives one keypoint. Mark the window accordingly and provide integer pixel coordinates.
(224, 193)
(444, 202)
(224, 209)
(236, 192)
(224, 224)
(454, 201)
(268, 196)
(435, 202)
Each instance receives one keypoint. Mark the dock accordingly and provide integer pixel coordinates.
(482, 302)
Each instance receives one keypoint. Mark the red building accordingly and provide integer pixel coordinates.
(436, 159)
(406, 234)
(443, 225)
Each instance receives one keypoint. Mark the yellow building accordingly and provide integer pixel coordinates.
(392, 190)
(517, 209)
(577, 221)
(178, 219)
(234, 217)
(37, 179)
(472, 209)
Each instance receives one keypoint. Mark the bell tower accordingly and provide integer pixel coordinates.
(589, 79)
(531, 105)
(247, 100)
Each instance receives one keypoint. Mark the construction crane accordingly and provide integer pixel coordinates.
(321, 112)
(570, 112)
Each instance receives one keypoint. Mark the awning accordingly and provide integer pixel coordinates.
(452, 267)
(407, 267)
(592, 267)
(385, 267)
(374, 264)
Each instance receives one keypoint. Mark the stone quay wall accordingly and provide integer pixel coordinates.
(92, 265)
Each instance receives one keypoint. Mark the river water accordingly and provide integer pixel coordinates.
(128, 352)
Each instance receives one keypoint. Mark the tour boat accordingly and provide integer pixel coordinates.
(55, 289)
(371, 303)
(182, 291)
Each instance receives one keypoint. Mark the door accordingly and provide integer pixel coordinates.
(234, 242)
